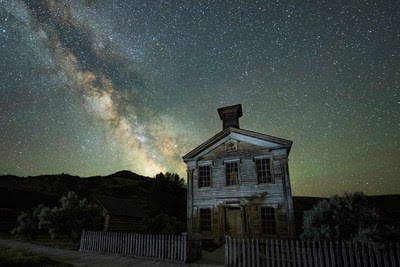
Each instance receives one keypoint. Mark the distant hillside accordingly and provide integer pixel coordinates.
(388, 207)
(122, 184)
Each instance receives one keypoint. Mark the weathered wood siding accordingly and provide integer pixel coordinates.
(248, 193)
(114, 223)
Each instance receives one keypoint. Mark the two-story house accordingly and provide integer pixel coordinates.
(238, 184)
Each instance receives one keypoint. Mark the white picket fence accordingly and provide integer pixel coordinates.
(253, 252)
(164, 247)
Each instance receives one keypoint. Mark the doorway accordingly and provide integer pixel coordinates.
(234, 222)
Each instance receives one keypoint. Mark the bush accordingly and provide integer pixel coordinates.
(339, 218)
(28, 224)
(345, 218)
(71, 217)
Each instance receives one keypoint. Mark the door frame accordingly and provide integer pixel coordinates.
(243, 214)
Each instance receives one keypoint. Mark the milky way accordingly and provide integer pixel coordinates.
(92, 87)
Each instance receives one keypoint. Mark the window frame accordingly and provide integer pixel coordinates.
(271, 169)
(264, 230)
(199, 177)
(201, 220)
(237, 162)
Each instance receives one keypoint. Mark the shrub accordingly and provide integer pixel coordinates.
(28, 224)
(341, 218)
(71, 217)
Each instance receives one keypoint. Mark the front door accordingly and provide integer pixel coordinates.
(234, 222)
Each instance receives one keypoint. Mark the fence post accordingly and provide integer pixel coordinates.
(89, 240)
(298, 260)
(320, 255)
(82, 240)
(99, 241)
(364, 254)
(357, 252)
(314, 249)
(185, 247)
(287, 254)
(234, 252)
(162, 246)
(278, 263)
(293, 250)
(326, 254)
(378, 257)
(303, 248)
(252, 253)
(392, 259)
(244, 252)
(371, 256)
(309, 257)
(385, 256)
(231, 256)
(257, 253)
(272, 253)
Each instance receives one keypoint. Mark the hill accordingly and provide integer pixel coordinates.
(122, 184)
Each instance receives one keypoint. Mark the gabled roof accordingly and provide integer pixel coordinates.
(284, 143)
(119, 206)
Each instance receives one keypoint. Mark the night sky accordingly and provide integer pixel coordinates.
(93, 87)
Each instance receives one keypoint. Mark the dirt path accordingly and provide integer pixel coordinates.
(92, 259)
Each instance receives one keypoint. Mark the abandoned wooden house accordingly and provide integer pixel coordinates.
(238, 184)
(120, 215)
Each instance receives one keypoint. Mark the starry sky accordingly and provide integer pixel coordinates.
(93, 87)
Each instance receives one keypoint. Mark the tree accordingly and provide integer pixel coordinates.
(71, 217)
(168, 195)
(342, 218)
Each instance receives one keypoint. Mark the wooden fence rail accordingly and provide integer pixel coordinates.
(165, 247)
(282, 253)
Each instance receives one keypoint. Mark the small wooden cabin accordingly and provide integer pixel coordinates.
(120, 215)
(239, 185)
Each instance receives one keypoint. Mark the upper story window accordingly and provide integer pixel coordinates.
(204, 176)
(264, 173)
(232, 173)
(268, 222)
(205, 220)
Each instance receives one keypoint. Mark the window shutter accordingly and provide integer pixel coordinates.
(281, 224)
(277, 171)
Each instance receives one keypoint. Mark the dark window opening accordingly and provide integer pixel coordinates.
(264, 173)
(268, 222)
(232, 173)
(205, 220)
(204, 176)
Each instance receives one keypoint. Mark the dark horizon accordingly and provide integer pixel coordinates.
(136, 174)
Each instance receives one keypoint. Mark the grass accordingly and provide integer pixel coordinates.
(62, 242)
(21, 257)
